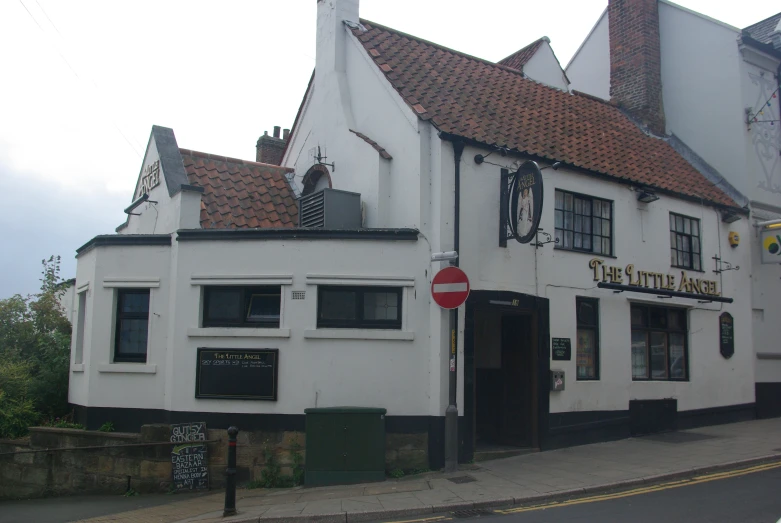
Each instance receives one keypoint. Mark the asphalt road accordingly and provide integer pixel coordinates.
(750, 498)
(63, 509)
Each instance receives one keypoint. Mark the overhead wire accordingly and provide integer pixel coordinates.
(75, 73)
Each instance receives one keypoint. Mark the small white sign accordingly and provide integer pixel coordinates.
(150, 178)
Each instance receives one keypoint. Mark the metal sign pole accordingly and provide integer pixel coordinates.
(451, 414)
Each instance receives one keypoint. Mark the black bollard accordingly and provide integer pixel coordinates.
(230, 474)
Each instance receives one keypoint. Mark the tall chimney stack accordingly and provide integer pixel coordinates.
(635, 60)
(269, 149)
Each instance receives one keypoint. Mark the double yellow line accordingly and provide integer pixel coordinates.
(645, 490)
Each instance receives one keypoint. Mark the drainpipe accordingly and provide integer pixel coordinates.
(451, 414)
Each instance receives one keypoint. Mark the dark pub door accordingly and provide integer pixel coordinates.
(504, 379)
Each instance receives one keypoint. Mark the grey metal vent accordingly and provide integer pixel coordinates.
(298, 295)
(312, 210)
(330, 209)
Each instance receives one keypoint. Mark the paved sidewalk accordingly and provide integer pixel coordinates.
(522, 479)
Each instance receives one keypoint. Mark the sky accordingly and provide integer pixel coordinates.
(83, 81)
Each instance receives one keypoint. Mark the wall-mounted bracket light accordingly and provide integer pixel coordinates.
(646, 196)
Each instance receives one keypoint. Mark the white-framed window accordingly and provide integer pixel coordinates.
(242, 306)
(131, 329)
(359, 307)
(81, 317)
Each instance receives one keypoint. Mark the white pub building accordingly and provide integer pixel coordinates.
(620, 311)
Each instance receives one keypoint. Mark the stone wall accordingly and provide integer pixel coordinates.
(112, 466)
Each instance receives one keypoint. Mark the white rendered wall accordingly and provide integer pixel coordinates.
(388, 373)
(104, 383)
(589, 70)
(641, 237)
(373, 370)
(544, 68)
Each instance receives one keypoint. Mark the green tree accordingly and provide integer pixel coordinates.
(35, 354)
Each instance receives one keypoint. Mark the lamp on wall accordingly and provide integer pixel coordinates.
(730, 216)
(646, 196)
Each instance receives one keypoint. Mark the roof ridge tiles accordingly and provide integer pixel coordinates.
(402, 34)
(228, 159)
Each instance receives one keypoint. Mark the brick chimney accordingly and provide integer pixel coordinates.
(635, 60)
(270, 148)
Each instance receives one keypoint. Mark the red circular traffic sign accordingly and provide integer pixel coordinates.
(450, 287)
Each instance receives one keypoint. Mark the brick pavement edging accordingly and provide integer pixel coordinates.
(373, 515)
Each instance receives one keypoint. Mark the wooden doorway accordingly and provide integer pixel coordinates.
(506, 373)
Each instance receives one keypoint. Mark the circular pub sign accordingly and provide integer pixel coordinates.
(525, 202)
(450, 287)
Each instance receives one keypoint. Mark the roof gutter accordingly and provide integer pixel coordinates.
(519, 154)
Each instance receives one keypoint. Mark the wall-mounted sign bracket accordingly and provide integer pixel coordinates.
(723, 266)
(548, 239)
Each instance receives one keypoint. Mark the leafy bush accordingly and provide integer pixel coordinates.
(107, 427)
(17, 411)
(35, 355)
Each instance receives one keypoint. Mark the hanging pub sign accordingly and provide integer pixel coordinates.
(726, 335)
(520, 203)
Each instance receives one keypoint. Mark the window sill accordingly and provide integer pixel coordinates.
(237, 332)
(687, 269)
(588, 253)
(359, 334)
(77, 367)
(128, 368)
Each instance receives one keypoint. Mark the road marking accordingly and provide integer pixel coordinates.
(421, 520)
(645, 490)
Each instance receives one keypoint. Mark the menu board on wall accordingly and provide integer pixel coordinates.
(726, 335)
(562, 349)
(189, 457)
(248, 374)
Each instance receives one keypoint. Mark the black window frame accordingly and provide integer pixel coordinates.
(559, 232)
(582, 325)
(359, 322)
(676, 254)
(648, 329)
(119, 356)
(246, 293)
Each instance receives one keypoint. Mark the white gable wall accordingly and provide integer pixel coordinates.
(544, 68)
(702, 90)
(589, 70)
(170, 213)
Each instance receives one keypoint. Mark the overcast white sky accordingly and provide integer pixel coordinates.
(83, 81)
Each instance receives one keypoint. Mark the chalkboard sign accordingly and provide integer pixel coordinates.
(726, 335)
(562, 349)
(247, 374)
(189, 459)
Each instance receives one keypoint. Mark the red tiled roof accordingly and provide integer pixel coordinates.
(519, 58)
(240, 194)
(494, 105)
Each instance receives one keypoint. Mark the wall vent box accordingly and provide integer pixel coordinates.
(330, 209)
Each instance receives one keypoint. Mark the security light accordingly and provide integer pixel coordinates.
(646, 197)
(444, 256)
(730, 217)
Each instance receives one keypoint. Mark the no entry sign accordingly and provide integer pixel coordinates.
(450, 287)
